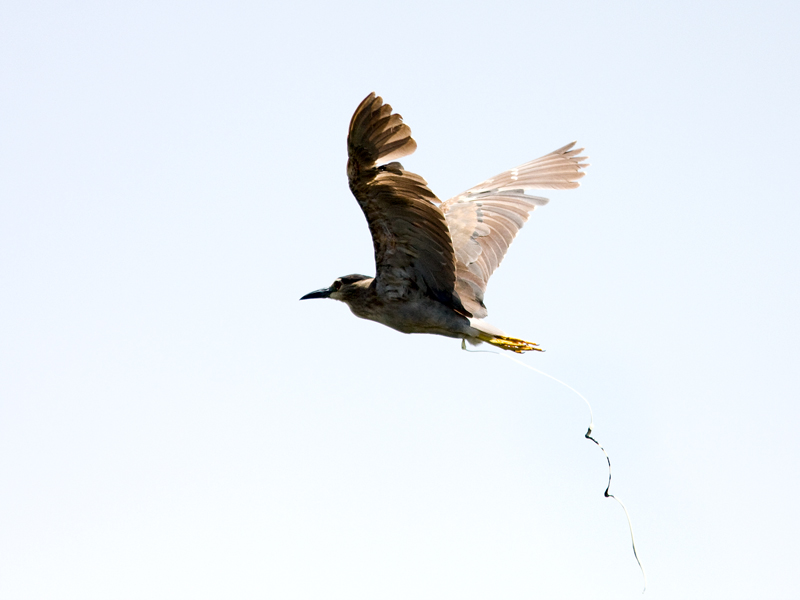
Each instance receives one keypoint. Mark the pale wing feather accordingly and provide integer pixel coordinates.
(485, 219)
(559, 170)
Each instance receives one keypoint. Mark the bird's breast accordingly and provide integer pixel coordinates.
(415, 315)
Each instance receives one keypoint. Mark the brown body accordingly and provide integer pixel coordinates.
(422, 315)
(433, 259)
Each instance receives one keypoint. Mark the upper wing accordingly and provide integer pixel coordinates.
(484, 220)
(413, 249)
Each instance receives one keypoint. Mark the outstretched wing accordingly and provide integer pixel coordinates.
(484, 220)
(413, 250)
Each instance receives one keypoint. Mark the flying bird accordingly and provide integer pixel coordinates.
(433, 259)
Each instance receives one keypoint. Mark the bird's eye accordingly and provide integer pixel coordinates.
(337, 284)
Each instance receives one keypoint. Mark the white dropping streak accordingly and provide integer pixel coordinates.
(588, 436)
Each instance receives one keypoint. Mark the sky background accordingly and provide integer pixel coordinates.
(175, 424)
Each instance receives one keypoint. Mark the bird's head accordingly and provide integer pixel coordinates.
(344, 288)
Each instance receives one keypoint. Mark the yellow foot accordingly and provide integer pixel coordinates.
(513, 344)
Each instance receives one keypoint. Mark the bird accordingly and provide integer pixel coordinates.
(433, 259)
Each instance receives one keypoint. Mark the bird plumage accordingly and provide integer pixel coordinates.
(413, 248)
(433, 260)
(484, 220)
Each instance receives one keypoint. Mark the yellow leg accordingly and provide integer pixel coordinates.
(509, 343)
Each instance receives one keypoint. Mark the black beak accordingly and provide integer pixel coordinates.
(323, 293)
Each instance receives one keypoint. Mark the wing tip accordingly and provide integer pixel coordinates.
(374, 137)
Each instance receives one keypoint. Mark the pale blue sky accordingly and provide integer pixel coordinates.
(175, 424)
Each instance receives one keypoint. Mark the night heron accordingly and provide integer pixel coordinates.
(433, 259)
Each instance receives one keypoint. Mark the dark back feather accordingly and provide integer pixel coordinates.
(413, 249)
